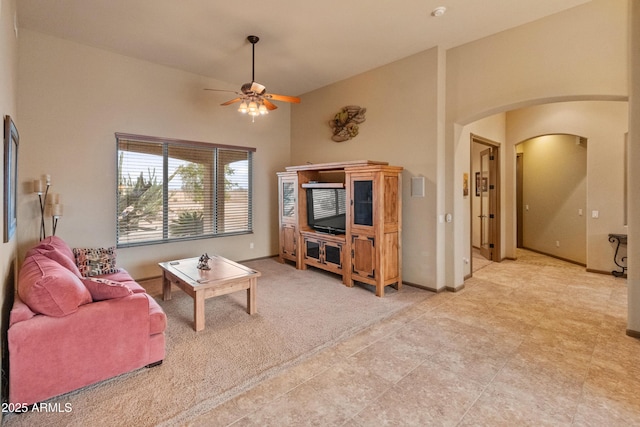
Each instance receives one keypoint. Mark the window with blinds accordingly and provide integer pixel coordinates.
(171, 190)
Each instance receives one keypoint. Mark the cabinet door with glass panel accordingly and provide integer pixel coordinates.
(362, 202)
(323, 251)
(362, 205)
(288, 200)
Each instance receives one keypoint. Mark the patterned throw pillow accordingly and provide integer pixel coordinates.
(95, 261)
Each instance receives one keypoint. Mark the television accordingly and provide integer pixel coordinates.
(327, 209)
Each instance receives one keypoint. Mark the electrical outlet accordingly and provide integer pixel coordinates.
(251, 245)
(557, 243)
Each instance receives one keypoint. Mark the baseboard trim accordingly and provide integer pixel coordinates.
(423, 287)
(431, 289)
(556, 257)
(633, 334)
(608, 273)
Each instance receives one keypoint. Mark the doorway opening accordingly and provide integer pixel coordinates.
(485, 200)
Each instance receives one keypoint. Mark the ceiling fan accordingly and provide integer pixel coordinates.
(252, 96)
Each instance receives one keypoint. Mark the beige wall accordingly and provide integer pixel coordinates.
(557, 58)
(579, 52)
(395, 131)
(8, 106)
(72, 98)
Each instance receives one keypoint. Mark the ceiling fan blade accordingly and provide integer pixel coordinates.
(231, 102)
(223, 90)
(284, 98)
(270, 105)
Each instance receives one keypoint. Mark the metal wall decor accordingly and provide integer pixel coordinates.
(345, 123)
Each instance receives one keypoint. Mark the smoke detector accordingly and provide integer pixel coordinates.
(438, 11)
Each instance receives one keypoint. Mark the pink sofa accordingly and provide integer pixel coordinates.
(67, 331)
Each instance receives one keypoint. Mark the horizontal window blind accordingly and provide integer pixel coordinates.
(172, 190)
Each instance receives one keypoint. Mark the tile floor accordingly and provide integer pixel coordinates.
(535, 341)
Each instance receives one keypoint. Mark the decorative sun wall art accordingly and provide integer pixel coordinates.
(345, 123)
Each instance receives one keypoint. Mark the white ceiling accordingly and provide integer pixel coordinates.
(304, 44)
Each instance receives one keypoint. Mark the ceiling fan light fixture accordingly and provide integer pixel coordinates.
(243, 107)
(263, 109)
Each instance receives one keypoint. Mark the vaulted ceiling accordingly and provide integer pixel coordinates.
(304, 45)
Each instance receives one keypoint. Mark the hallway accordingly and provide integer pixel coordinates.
(536, 341)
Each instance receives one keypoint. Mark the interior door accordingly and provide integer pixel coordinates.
(488, 202)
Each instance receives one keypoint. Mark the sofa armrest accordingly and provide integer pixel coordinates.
(20, 311)
(53, 355)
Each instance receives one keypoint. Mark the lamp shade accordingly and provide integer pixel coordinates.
(56, 210)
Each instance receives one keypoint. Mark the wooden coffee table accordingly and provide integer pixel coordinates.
(224, 277)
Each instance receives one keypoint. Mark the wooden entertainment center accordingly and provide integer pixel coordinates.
(369, 248)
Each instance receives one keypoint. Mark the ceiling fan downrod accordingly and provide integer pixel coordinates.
(253, 40)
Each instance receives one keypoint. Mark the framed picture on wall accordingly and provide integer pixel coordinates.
(465, 184)
(11, 140)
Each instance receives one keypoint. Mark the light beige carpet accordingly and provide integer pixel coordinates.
(299, 313)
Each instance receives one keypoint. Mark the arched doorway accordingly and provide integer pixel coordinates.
(603, 121)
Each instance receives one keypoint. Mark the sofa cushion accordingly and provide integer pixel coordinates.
(50, 289)
(95, 261)
(58, 243)
(56, 254)
(102, 289)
